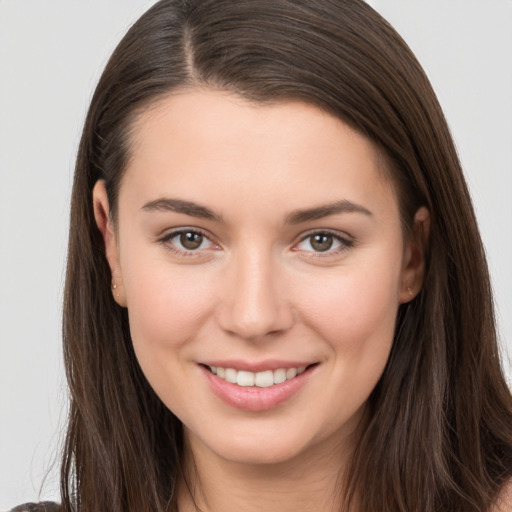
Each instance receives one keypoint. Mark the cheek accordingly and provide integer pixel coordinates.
(354, 317)
(355, 313)
(166, 311)
(166, 307)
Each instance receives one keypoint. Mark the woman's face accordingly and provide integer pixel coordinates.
(260, 254)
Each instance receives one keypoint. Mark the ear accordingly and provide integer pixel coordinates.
(107, 230)
(413, 270)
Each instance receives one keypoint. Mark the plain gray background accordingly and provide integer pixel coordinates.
(51, 55)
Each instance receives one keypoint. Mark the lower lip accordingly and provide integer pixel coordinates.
(253, 398)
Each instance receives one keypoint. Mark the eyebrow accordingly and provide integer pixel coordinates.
(180, 206)
(319, 212)
(296, 217)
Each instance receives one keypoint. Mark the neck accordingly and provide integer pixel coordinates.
(309, 481)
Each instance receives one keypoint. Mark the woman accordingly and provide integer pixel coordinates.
(276, 295)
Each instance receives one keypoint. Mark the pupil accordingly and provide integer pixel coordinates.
(321, 242)
(191, 240)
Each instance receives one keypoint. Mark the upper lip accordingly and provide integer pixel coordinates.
(256, 366)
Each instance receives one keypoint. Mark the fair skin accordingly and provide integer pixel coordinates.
(294, 266)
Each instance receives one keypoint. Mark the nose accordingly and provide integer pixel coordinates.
(253, 304)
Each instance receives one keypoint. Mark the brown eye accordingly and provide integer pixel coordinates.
(331, 244)
(321, 242)
(190, 240)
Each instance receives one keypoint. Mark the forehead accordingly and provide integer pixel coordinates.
(190, 114)
(216, 143)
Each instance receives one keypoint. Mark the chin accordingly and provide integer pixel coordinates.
(255, 455)
(262, 446)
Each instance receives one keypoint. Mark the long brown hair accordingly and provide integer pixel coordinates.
(438, 436)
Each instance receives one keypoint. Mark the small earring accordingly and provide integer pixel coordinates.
(410, 291)
(114, 286)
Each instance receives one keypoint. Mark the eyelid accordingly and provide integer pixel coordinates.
(169, 235)
(345, 240)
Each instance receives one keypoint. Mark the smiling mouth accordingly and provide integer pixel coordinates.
(264, 379)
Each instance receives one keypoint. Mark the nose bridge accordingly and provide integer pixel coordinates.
(255, 305)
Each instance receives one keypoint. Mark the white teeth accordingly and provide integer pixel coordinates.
(245, 378)
(262, 379)
(279, 376)
(230, 375)
(291, 372)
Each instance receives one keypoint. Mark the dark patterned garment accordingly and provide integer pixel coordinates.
(44, 506)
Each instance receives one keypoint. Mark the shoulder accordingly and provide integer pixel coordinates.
(44, 506)
(504, 500)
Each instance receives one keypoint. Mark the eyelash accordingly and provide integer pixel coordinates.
(344, 242)
(183, 252)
